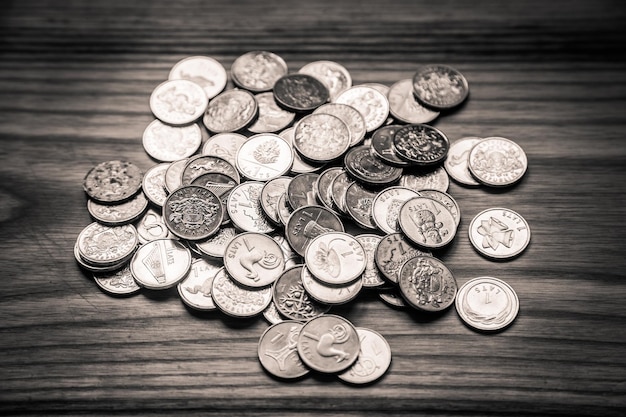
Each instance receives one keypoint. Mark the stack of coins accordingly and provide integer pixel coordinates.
(308, 190)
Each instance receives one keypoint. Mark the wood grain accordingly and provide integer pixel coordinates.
(75, 78)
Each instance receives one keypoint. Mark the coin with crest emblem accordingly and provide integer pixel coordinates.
(427, 284)
(192, 212)
(497, 162)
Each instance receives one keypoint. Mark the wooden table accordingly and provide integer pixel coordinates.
(75, 78)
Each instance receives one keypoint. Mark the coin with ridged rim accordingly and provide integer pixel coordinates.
(427, 222)
(335, 258)
(350, 116)
(382, 145)
(392, 252)
(230, 111)
(238, 301)
(487, 304)
(497, 162)
(257, 71)
(101, 245)
(363, 165)
(439, 86)
(371, 276)
(118, 214)
(300, 92)
(359, 205)
(421, 144)
(160, 264)
(435, 179)
(119, 282)
(171, 143)
(330, 294)
(321, 137)
(264, 157)
(192, 212)
(499, 233)
(404, 106)
(371, 103)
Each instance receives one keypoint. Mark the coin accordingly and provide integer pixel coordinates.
(335, 258)
(323, 186)
(371, 103)
(271, 314)
(153, 184)
(207, 164)
(237, 301)
(330, 294)
(359, 205)
(338, 188)
(152, 227)
(278, 353)
(301, 191)
(119, 282)
(103, 246)
(392, 298)
(195, 288)
(364, 166)
(160, 264)
(499, 233)
(300, 166)
(174, 175)
(171, 143)
(258, 71)
(192, 212)
(456, 163)
(215, 246)
(178, 102)
(300, 92)
(321, 138)
(308, 222)
(373, 361)
(421, 144)
(350, 116)
(272, 117)
(447, 200)
(264, 157)
(230, 111)
(290, 298)
(113, 181)
(244, 208)
(283, 209)
(440, 87)
(427, 284)
(404, 106)
(328, 344)
(205, 71)
(224, 145)
(334, 75)
(436, 179)
(371, 276)
(254, 260)
(497, 162)
(98, 268)
(118, 214)
(392, 252)
(386, 207)
(427, 222)
(382, 145)
(487, 304)
(270, 193)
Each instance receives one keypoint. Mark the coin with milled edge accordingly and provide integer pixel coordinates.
(427, 222)
(436, 179)
(244, 208)
(392, 252)
(215, 246)
(300, 92)
(272, 117)
(264, 157)
(272, 315)
(382, 145)
(350, 116)
(160, 264)
(440, 87)
(321, 137)
(335, 258)
(101, 245)
(371, 276)
(230, 111)
(371, 103)
(257, 71)
(374, 358)
(330, 294)
(386, 207)
(152, 227)
(291, 299)
(270, 194)
(153, 184)
(178, 102)
(456, 163)
(404, 106)
(171, 143)
(174, 175)
(497, 162)
(366, 167)
(207, 164)
(421, 144)
(192, 212)
(338, 189)
(113, 181)
(301, 191)
(323, 186)
(224, 145)
(308, 222)
(499, 233)
(254, 260)
(447, 200)
(118, 214)
(328, 344)
(278, 353)
(195, 288)
(487, 304)
(427, 284)
(205, 71)
(119, 282)
(359, 205)
(300, 166)
(335, 76)
(238, 301)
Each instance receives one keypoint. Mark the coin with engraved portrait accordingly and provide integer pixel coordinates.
(334, 75)
(238, 301)
(350, 116)
(160, 264)
(382, 145)
(245, 210)
(195, 288)
(308, 222)
(178, 102)
(205, 71)
(335, 258)
(230, 111)
(101, 245)
(291, 299)
(373, 361)
(118, 214)
(371, 276)
(456, 163)
(278, 353)
(427, 284)
(192, 212)
(300, 166)
(432, 179)
(170, 143)
(270, 194)
(440, 87)
(487, 304)
(300, 92)
(272, 117)
(427, 222)
(113, 181)
(363, 165)
(497, 162)
(371, 103)
(499, 233)
(254, 259)
(392, 252)
(321, 137)
(119, 282)
(330, 294)
(301, 191)
(421, 144)
(386, 207)
(328, 344)
(264, 157)
(404, 106)
(257, 71)
(153, 184)
(359, 205)
(224, 145)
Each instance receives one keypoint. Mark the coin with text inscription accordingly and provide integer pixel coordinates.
(427, 284)
(278, 353)
(487, 304)
(374, 358)
(440, 87)
(499, 233)
(160, 264)
(497, 162)
(192, 212)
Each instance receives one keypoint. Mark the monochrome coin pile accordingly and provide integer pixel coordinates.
(308, 190)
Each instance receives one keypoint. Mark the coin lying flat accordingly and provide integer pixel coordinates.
(321, 137)
(487, 304)
(254, 260)
(264, 157)
(272, 117)
(330, 294)
(118, 214)
(386, 207)
(421, 144)
(382, 145)
(350, 116)
(152, 227)
(195, 288)
(392, 252)
(278, 353)
(178, 102)
(427, 284)
(119, 282)
(192, 212)
(171, 143)
(113, 181)
(300, 166)
(335, 258)
(371, 103)
(300, 92)
(404, 107)
(456, 163)
(230, 111)
(373, 361)
(160, 264)
(436, 179)
(258, 71)
(308, 222)
(499, 233)
(244, 208)
(224, 145)
(291, 299)
(237, 301)
(427, 222)
(366, 167)
(334, 75)
(440, 87)
(205, 71)
(497, 162)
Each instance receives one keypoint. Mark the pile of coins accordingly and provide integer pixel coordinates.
(307, 190)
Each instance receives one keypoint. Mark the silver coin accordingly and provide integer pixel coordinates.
(335, 258)
(236, 301)
(392, 252)
(215, 246)
(270, 194)
(119, 282)
(171, 143)
(152, 227)
(374, 358)
(206, 164)
(382, 145)
(371, 103)
(436, 179)
(230, 111)
(499, 233)
(101, 245)
(178, 102)
(427, 222)
(363, 165)
(283, 209)
(118, 214)
(359, 205)
(272, 117)
(371, 276)
(330, 294)
(421, 144)
(456, 163)
(244, 208)
(447, 200)
(192, 212)
(300, 166)
(300, 92)
(271, 314)
(258, 71)
(404, 106)
(392, 298)
(323, 191)
(95, 268)
(321, 138)
(338, 189)
(153, 184)
(328, 344)
(113, 181)
(291, 258)
(160, 264)
(427, 284)
(291, 299)
(440, 87)
(195, 288)
(301, 191)
(350, 116)
(264, 157)
(487, 304)
(308, 222)
(497, 162)
(205, 71)
(224, 145)
(386, 207)
(254, 260)
(174, 175)
(278, 353)
(334, 75)
(381, 88)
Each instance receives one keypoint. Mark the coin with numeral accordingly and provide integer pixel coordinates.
(427, 222)
(335, 258)
(427, 284)
(254, 259)
(374, 358)
(487, 304)
(278, 351)
(160, 264)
